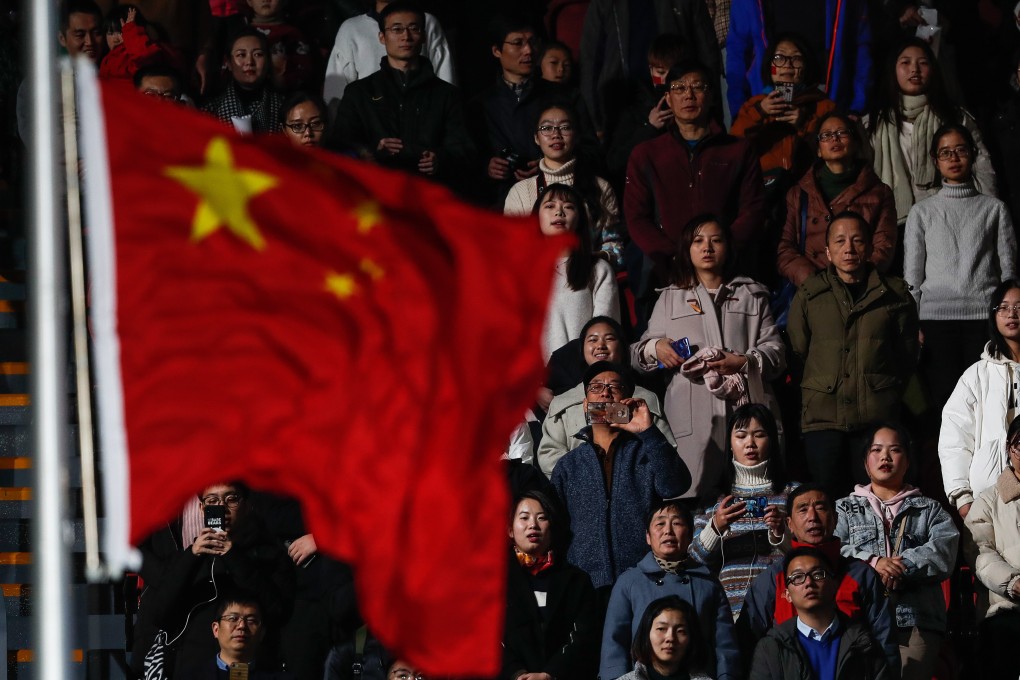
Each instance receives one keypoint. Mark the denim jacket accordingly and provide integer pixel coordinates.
(928, 548)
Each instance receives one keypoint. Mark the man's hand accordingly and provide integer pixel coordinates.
(729, 364)
(427, 163)
(499, 168)
(390, 145)
(640, 417)
(658, 117)
(964, 509)
(302, 549)
(211, 542)
(529, 170)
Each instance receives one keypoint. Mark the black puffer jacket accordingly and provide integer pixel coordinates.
(779, 655)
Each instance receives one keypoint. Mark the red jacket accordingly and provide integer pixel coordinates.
(137, 51)
(668, 184)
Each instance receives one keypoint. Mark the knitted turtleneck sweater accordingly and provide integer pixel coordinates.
(959, 244)
(746, 549)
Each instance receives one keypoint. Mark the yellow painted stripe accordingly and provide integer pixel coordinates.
(12, 589)
(13, 400)
(25, 655)
(15, 493)
(15, 558)
(16, 463)
(13, 367)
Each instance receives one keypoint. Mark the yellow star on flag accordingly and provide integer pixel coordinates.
(225, 192)
(368, 214)
(341, 285)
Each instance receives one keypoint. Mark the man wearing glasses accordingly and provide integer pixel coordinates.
(239, 630)
(621, 466)
(819, 642)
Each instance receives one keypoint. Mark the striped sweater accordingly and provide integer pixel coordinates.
(746, 549)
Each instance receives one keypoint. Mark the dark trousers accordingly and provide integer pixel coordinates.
(997, 637)
(835, 460)
(949, 348)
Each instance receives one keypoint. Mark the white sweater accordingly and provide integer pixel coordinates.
(570, 309)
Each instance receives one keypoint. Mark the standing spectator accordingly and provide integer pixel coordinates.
(402, 115)
(130, 45)
(615, 42)
(958, 245)
(854, 331)
(908, 539)
(159, 81)
(726, 319)
(839, 35)
(357, 52)
(1006, 142)
(668, 642)
(606, 483)
(840, 180)
(290, 52)
(693, 169)
(666, 571)
(249, 102)
(739, 536)
(303, 117)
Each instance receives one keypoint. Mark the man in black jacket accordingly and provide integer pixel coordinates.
(404, 116)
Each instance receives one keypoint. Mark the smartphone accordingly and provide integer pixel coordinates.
(682, 347)
(787, 90)
(214, 516)
(754, 506)
(604, 412)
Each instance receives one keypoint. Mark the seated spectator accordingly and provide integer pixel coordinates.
(159, 81)
(665, 571)
(249, 102)
(585, 286)
(854, 332)
(551, 613)
(303, 117)
(361, 658)
(403, 116)
(557, 135)
(820, 641)
(239, 630)
(736, 348)
(555, 63)
(668, 642)
(601, 339)
(909, 540)
(739, 536)
(620, 466)
(358, 52)
(181, 585)
(993, 520)
(779, 120)
(695, 168)
(839, 39)
(860, 594)
(290, 52)
(131, 47)
(840, 180)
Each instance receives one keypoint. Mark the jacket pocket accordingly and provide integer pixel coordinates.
(679, 411)
(819, 400)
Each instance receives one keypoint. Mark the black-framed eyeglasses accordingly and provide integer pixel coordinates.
(795, 60)
(234, 619)
(800, 578)
(600, 387)
(1005, 309)
(413, 29)
(231, 500)
(521, 42)
(299, 128)
(832, 135)
(956, 152)
(169, 94)
(692, 88)
(549, 130)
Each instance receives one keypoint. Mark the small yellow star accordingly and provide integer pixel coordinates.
(224, 191)
(368, 215)
(374, 271)
(341, 285)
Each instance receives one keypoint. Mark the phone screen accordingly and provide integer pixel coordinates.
(214, 516)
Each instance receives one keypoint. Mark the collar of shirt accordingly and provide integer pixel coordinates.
(811, 634)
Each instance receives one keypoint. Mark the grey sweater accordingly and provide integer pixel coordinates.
(958, 246)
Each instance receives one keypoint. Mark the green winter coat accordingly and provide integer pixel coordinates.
(856, 357)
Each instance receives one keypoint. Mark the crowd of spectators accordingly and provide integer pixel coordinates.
(764, 448)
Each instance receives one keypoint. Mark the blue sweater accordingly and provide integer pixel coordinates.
(608, 532)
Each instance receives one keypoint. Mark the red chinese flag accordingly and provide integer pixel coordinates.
(322, 328)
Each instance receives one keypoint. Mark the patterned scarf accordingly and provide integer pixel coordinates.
(669, 567)
(534, 565)
(264, 111)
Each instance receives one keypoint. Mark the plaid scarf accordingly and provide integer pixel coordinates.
(264, 111)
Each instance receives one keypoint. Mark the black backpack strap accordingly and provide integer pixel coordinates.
(357, 668)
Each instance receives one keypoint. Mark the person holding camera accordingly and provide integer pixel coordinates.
(623, 464)
(744, 532)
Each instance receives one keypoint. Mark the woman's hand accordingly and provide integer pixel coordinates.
(302, 549)
(658, 117)
(890, 568)
(726, 514)
(665, 353)
(544, 397)
(773, 105)
(793, 115)
(729, 364)
(775, 520)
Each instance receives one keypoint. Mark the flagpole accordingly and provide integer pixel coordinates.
(47, 261)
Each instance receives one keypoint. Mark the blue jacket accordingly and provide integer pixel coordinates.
(638, 587)
(608, 532)
(928, 550)
(845, 68)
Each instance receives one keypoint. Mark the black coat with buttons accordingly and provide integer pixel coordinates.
(856, 354)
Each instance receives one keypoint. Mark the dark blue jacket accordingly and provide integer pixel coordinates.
(638, 587)
(845, 67)
(608, 532)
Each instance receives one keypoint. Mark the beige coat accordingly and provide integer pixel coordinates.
(993, 520)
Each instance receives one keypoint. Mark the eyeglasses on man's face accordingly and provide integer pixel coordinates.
(600, 387)
(234, 619)
(696, 89)
(231, 500)
(400, 29)
(799, 578)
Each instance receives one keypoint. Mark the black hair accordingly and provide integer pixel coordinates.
(550, 506)
(682, 68)
(236, 596)
(683, 274)
(851, 125)
(247, 32)
(621, 337)
(78, 7)
(808, 74)
(240, 487)
(581, 263)
(999, 345)
(850, 215)
(944, 130)
(503, 24)
(402, 6)
(902, 433)
(887, 94)
(119, 13)
(606, 366)
(667, 50)
(808, 488)
(158, 71)
(641, 647)
(1012, 434)
(775, 469)
(300, 97)
(807, 551)
(547, 46)
(660, 504)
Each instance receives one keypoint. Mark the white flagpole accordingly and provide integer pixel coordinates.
(48, 338)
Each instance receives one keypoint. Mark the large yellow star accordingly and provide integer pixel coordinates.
(224, 191)
(368, 215)
(341, 285)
